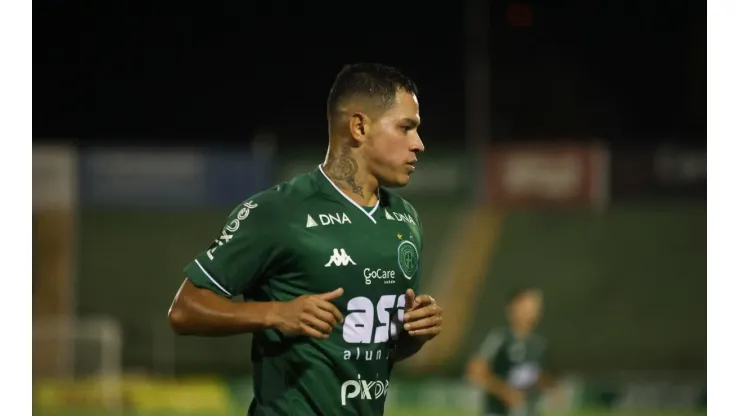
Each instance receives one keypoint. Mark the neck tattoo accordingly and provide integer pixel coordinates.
(344, 168)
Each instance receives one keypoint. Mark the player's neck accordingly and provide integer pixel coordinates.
(349, 174)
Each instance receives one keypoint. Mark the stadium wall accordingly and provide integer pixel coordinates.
(624, 282)
(627, 301)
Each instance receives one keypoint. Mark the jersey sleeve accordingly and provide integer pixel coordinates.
(491, 345)
(241, 254)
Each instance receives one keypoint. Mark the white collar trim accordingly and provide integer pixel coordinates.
(364, 211)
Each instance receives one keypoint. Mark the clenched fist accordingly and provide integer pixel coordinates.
(310, 315)
(423, 317)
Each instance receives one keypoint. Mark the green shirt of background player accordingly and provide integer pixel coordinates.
(326, 334)
(508, 366)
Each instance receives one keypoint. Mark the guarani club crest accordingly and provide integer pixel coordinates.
(408, 258)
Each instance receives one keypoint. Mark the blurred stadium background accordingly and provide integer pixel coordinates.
(623, 275)
(566, 152)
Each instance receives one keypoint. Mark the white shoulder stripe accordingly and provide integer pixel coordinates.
(208, 275)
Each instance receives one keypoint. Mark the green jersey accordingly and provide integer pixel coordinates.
(306, 237)
(518, 362)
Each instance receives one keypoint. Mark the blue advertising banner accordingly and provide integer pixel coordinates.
(170, 178)
(232, 177)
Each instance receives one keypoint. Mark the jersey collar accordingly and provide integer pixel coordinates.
(327, 186)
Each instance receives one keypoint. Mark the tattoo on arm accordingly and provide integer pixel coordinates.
(344, 168)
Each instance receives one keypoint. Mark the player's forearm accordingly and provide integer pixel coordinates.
(237, 318)
(200, 312)
(493, 385)
(407, 346)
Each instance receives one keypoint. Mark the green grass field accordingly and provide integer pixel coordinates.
(578, 413)
(391, 412)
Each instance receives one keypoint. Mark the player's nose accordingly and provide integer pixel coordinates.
(417, 145)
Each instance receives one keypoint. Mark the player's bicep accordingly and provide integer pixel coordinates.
(238, 257)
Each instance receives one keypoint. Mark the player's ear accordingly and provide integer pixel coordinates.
(359, 124)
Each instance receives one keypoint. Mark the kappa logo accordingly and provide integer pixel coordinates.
(399, 217)
(327, 219)
(340, 258)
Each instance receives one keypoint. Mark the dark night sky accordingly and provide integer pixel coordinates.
(174, 72)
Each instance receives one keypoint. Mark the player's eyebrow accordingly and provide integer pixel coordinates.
(411, 122)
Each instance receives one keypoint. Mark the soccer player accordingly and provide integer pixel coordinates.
(327, 263)
(508, 366)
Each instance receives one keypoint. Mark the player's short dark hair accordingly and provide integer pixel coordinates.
(371, 81)
(516, 293)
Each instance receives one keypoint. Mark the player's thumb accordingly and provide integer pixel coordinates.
(332, 295)
(410, 299)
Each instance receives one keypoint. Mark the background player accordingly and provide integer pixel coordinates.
(508, 366)
(326, 333)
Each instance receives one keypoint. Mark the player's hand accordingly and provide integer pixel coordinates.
(422, 317)
(512, 398)
(310, 315)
